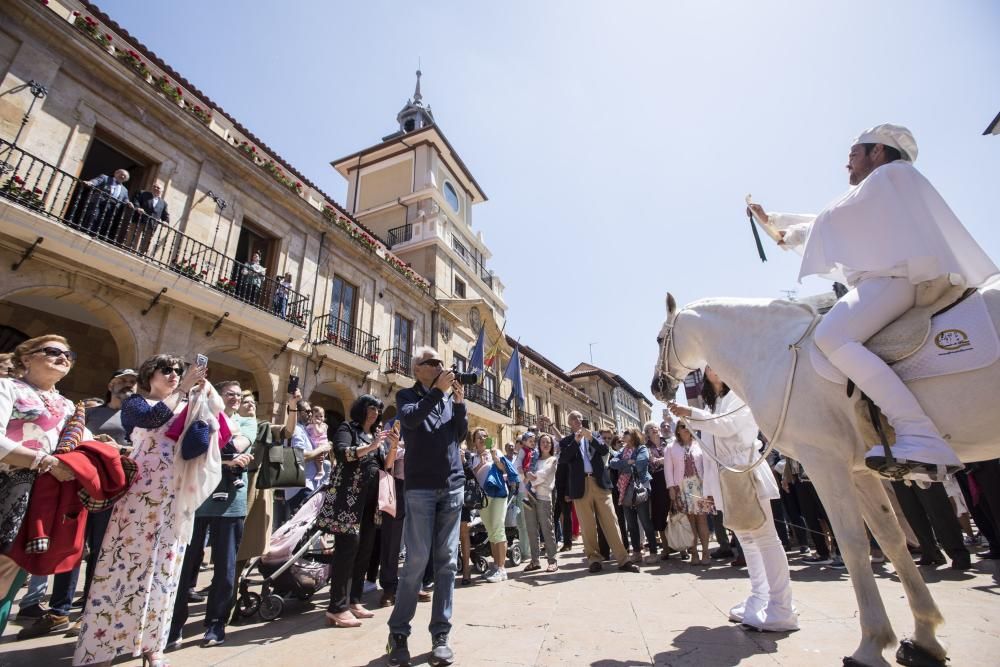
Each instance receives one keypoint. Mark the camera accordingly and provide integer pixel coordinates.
(464, 378)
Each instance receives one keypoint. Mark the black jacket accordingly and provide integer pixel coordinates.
(433, 425)
(144, 200)
(572, 462)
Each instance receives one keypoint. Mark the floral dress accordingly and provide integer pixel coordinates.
(692, 496)
(132, 594)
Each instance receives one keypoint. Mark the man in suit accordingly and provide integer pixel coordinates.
(588, 484)
(102, 201)
(143, 227)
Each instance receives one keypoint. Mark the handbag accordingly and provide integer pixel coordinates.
(280, 466)
(15, 491)
(739, 498)
(635, 492)
(387, 493)
(679, 533)
(475, 497)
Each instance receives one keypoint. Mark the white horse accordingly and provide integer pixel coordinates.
(747, 342)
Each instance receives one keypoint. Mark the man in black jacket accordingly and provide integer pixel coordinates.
(589, 486)
(433, 418)
(143, 227)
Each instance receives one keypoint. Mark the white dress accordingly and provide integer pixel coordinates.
(132, 594)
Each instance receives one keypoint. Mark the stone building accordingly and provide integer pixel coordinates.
(624, 406)
(122, 287)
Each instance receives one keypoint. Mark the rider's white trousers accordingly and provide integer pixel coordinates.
(857, 316)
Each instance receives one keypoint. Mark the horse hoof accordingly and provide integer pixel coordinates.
(911, 655)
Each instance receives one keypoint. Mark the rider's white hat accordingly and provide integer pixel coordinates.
(896, 136)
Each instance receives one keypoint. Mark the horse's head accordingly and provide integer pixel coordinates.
(667, 376)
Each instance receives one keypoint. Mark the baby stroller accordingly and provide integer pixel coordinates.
(296, 564)
(480, 554)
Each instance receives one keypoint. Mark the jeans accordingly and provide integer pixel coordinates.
(225, 535)
(640, 515)
(38, 585)
(538, 517)
(64, 585)
(431, 524)
(522, 530)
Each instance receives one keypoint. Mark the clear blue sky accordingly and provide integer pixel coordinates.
(616, 141)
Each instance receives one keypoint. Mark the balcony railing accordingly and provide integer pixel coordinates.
(329, 330)
(399, 235)
(474, 263)
(91, 210)
(486, 398)
(523, 418)
(398, 360)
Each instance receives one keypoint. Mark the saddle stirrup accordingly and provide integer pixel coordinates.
(889, 467)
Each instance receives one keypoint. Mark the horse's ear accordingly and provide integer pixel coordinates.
(671, 304)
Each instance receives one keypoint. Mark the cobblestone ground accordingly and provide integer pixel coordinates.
(670, 614)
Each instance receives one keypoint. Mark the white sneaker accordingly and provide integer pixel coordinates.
(495, 576)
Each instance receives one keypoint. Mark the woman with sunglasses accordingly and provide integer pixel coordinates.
(131, 599)
(350, 505)
(32, 416)
(685, 474)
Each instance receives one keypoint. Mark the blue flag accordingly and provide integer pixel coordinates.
(513, 373)
(477, 358)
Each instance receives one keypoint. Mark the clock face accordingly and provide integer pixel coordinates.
(475, 319)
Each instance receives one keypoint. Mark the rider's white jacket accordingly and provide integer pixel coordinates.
(893, 224)
(730, 434)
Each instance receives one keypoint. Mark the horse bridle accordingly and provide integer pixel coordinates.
(666, 347)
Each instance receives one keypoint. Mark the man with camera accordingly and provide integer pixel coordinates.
(433, 418)
(589, 487)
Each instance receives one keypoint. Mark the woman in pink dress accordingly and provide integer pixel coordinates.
(684, 473)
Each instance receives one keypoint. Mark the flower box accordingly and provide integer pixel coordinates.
(226, 285)
(188, 269)
(132, 60)
(165, 86)
(16, 189)
(204, 115)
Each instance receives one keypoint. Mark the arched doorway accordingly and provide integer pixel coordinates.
(93, 337)
(335, 398)
(229, 364)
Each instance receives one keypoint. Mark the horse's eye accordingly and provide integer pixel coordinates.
(659, 339)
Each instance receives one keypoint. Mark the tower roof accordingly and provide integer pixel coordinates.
(415, 115)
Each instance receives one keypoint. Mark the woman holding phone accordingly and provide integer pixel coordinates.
(489, 466)
(349, 508)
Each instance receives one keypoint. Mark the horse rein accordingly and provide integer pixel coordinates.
(794, 348)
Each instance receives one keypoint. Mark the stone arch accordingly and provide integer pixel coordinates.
(336, 398)
(233, 356)
(97, 302)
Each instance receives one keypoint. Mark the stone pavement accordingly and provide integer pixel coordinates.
(670, 614)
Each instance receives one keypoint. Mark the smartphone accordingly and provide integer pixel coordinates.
(666, 415)
(586, 423)
(201, 361)
(489, 442)
(293, 383)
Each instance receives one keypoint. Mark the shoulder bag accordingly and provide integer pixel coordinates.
(280, 466)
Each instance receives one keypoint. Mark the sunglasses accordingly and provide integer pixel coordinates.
(55, 353)
(431, 362)
(167, 370)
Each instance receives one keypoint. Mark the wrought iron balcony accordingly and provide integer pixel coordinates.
(399, 235)
(57, 195)
(472, 261)
(398, 360)
(488, 399)
(525, 418)
(329, 330)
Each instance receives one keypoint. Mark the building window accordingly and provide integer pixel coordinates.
(402, 334)
(460, 362)
(490, 384)
(343, 301)
(459, 288)
(451, 196)
(557, 416)
(538, 406)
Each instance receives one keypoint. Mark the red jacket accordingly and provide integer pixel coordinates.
(51, 537)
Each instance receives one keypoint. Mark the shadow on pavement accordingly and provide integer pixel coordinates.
(698, 646)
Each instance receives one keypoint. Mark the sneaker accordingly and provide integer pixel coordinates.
(50, 622)
(423, 596)
(973, 540)
(369, 587)
(650, 559)
(388, 600)
(817, 560)
(195, 597)
(495, 576)
(720, 553)
(532, 567)
(32, 611)
(838, 564)
(441, 653)
(628, 567)
(214, 636)
(398, 651)
(803, 551)
(174, 643)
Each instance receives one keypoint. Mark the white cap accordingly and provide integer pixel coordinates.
(895, 136)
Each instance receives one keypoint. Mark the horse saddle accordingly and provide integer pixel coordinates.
(949, 330)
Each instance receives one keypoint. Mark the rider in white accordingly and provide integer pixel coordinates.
(888, 233)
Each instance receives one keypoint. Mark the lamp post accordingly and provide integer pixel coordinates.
(38, 92)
